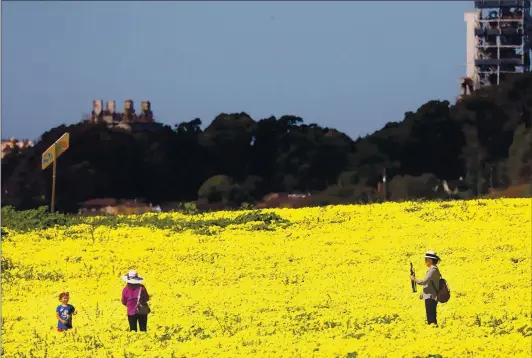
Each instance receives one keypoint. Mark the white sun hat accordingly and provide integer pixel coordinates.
(132, 277)
(431, 255)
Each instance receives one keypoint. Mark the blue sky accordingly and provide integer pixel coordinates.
(352, 65)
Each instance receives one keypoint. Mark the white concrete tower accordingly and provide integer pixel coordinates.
(502, 36)
(498, 40)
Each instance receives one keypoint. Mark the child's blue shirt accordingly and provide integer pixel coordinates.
(65, 312)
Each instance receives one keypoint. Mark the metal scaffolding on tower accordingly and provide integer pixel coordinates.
(498, 42)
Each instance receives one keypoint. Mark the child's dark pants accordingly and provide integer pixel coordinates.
(430, 308)
(142, 319)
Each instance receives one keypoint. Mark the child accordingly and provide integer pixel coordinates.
(64, 313)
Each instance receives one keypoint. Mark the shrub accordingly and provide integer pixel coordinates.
(34, 219)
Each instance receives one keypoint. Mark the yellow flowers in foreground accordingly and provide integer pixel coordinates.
(327, 282)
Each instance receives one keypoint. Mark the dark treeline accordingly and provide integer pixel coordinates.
(486, 138)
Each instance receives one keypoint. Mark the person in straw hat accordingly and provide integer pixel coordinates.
(135, 298)
(430, 284)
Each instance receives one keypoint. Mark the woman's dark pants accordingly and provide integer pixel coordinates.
(430, 307)
(142, 319)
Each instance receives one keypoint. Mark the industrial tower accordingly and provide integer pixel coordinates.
(497, 42)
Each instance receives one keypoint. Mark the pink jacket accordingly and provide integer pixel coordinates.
(130, 293)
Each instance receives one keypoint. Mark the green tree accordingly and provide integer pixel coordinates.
(217, 188)
(520, 156)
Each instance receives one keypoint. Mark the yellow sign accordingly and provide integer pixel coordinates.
(55, 150)
(62, 144)
(48, 157)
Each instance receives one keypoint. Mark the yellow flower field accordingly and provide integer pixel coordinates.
(327, 282)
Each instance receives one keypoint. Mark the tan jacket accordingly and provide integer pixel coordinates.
(430, 283)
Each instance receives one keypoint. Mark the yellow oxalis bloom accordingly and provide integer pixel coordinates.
(331, 283)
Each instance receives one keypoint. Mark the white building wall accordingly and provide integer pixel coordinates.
(471, 19)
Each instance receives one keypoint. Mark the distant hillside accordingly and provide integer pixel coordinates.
(485, 138)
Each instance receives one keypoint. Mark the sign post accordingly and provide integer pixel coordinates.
(50, 157)
(54, 171)
(384, 184)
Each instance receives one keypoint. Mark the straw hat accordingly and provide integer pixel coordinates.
(132, 277)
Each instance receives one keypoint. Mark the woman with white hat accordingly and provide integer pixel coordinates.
(430, 284)
(135, 298)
